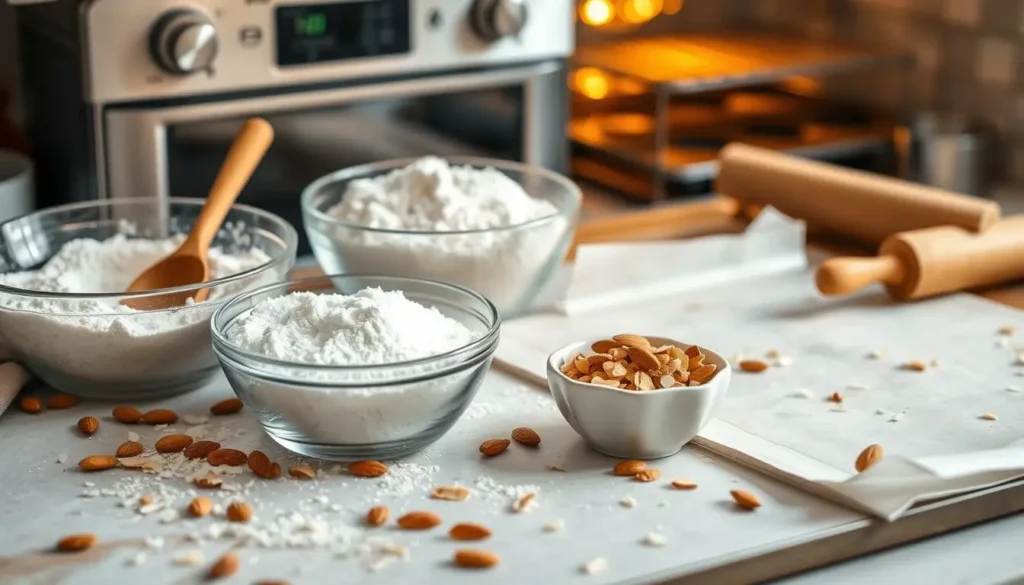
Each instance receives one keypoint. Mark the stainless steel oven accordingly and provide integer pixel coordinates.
(131, 98)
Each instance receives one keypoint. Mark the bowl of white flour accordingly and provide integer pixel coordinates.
(499, 228)
(63, 272)
(356, 367)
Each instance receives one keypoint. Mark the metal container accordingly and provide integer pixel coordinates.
(954, 153)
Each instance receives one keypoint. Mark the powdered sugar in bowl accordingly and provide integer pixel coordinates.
(64, 270)
(356, 367)
(499, 228)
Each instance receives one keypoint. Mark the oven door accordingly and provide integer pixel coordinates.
(516, 113)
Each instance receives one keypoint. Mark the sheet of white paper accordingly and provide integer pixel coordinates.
(929, 423)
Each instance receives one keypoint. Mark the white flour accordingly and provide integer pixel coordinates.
(429, 198)
(371, 327)
(100, 340)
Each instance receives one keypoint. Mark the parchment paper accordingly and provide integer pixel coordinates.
(929, 423)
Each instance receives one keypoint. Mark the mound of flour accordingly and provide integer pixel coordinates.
(432, 197)
(100, 340)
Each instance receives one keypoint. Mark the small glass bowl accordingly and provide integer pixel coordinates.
(509, 265)
(79, 343)
(379, 411)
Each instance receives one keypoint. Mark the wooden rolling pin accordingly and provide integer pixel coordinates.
(929, 262)
(861, 205)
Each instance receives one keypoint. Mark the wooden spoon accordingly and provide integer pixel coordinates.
(188, 264)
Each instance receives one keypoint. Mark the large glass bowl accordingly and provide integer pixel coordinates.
(510, 266)
(90, 345)
(361, 412)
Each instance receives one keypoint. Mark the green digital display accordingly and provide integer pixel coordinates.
(311, 24)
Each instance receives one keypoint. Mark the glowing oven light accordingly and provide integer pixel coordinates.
(591, 82)
(596, 12)
(638, 11)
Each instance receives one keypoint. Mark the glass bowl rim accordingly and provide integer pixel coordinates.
(385, 166)
(290, 238)
(477, 347)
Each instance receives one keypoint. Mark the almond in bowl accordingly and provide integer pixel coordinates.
(637, 397)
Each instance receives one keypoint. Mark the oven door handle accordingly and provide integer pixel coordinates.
(134, 141)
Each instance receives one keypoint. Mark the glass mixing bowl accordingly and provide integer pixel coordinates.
(509, 265)
(361, 412)
(91, 345)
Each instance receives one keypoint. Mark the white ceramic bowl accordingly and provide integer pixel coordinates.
(636, 425)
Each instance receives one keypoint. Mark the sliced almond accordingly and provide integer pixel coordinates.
(683, 484)
(703, 373)
(915, 366)
(753, 366)
(524, 502)
(475, 559)
(377, 516)
(452, 493)
(643, 381)
(663, 358)
(210, 481)
(526, 436)
(989, 416)
(647, 475)
(869, 456)
(420, 520)
(492, 447)
(304, 472)
(694, 352)
(604, 346)
(582, 365)
(618, 353)
(745, 499)
(629, 467)
(367, 468)
(469, 531)
(598, 359)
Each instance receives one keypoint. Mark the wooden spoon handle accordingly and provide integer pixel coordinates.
(842, 276)
(251, 143)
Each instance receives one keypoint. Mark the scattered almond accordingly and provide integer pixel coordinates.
(989, 416)
(126, 414)
(419, 521)
(88, 425)
(239, 512)
(1006, 330)
(869, 456)
(683, 484)
(199, 507)
(452, 493)
(145, 500)
(172, 443)
(753, 366)
(526, 436)
(97, 462)
(835, 397)
(915, 366)
(302, 472)
(492, 447)
(377, 516)
(130, 449)
(225, 566)
(200, 449)
(745, 499)
(229, 457)
(469, 531)
(261, 465)
(524, 502)
(629, 467)
(229, 406)
(475, 559)
(210, 481)
(31, 405)
(76, 542)
(647, 475)
(59, 401)
(160, 416)
(367, 468)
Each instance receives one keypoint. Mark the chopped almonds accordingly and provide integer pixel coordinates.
(631, 362)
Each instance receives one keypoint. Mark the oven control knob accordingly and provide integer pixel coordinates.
(496, 19)
(184, 42)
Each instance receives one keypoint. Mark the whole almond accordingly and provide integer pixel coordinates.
(59, 401)
(130, 449)
(275, 471)
(630, 340)
(88, 425)
(97, 462)
(302, 472)
(377, 516)
(419, 521)
(453, 493)
(173, 443)
(647, 475)
(260, 464)
(643, 357)
(210, 481)
(469, 531)
(526, 436)
(199, 507)
(230, 457)
(228, 406)
(367, 468)
(225, 566)
(868, 457)
(753, 366)
(76, 542)
(31, 405)
(745, 499)
(475, 559)
(492, 447)
(160, 416)
(604, 346)
(200, 449)
(629, 467)
(239, 512)
(126, 415)
(683, 484)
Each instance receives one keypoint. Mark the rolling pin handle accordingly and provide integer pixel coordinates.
(842, 276)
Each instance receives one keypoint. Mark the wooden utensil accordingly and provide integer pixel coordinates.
(861, 205)
(929, 262)
(188, 264)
